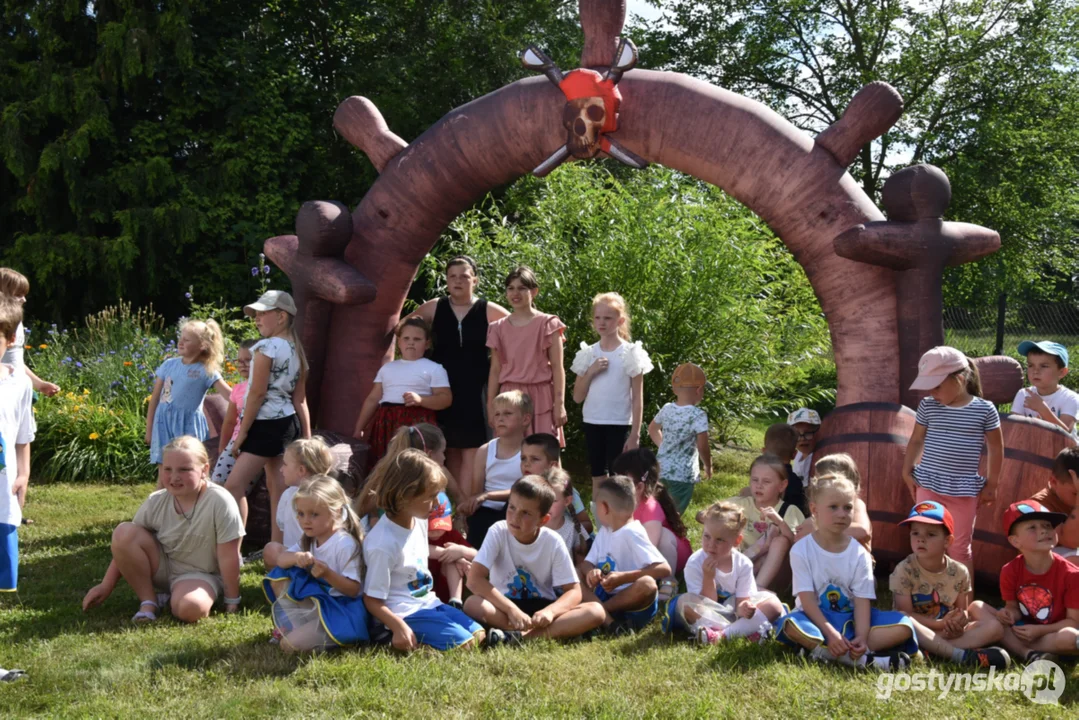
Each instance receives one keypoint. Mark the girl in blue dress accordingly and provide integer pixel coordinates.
(182, 383)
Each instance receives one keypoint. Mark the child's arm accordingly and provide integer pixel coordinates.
(340, 583)
(905, 604)
(708, 580)
(657, 570)
(439, 399)
(155, 397)
(100, 592)
(1009, 615)
(591, 574)
(994, 441)
(1030, 633)
(256, 395)
(863, 608)
(569, 599)
(836, 643)
(403, 637)
(228, 425)
(636, 386)
(222, 387)
(779, 523)
(479, 478)
(368, 410)
(584, 380)
(479, 583)
(22, 480)
(42, 386)
(492, 384)
(585, 520)
(228, 560)
(914, 453)
(705, 452)
(287, 559)
(861, 528)
(558, 381)
(1033, 401)
(299, 401)
(655, 433)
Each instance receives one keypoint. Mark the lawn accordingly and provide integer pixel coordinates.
(101, 665)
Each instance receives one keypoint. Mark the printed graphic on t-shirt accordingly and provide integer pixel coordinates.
(3, 455)
(194, 372)
(423, 583)
(835, 600)
(1036, 603)
(929, 605)
(522, 587)
(760, 526)
(722, 597)
(166, 391)
(608, 565)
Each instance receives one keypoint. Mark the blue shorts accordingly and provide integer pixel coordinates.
(443, 627)
(9, 557)
(636, 619)
(844, 623)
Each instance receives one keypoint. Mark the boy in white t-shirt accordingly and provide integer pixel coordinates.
(680, 431)
(623, 567)
(523, 580)
(721, 599)
(1046, 399)
(16, 434)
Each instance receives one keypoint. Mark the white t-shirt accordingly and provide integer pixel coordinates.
(678, 457)
(340, 554)
(610, 394)
(1063, 402)
(802, 466)
(835, 578)
(623, 550)
(16, 428)
(396, 560)
(284, 374)
(418, 376)
(570, 536)
(15, 351)
(737, 583)
(526, 572)
(499, 474)
(286, 518)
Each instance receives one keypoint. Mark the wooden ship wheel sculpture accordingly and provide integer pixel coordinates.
(878, 280)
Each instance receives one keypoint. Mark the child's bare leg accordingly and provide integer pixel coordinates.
(485, 613)
(984, 630)
(1018, 648)
(275, 485)
(135, 553)
(455, 582)
(641, 592)
(192, 600)
(886, 638)
(242, 477)
(303, 638)
(1061, 642)
(573, 623)
(271, 552)
(772, 562)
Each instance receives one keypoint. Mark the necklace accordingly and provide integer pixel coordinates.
(180, 510)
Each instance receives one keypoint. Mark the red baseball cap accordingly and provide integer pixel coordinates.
(1030, 510)
(931, 513)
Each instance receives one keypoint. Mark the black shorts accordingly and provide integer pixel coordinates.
(530, 606)
(269, 438)
(481, 521)
(605, 443)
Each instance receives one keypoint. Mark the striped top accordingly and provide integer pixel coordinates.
(954, 439)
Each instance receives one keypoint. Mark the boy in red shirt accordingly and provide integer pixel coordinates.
(1040, 589)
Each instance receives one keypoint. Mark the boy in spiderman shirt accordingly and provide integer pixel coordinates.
(1040, 588)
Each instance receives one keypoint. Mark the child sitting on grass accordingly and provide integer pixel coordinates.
(541, 452)
(1040, 589)
(523, 581)
(861, 528)
(302, 459)
(834, 619)
(721, 601)
(315, 585)
(935, 592)
(1060, 496)
(561, 521)
(623, 566)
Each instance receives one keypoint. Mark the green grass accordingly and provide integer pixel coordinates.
(100, 665)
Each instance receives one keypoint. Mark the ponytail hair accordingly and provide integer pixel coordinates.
(974, 379)
(324, 490)
(617, 303)
(292, 337)
(641, 466)
(560, 482)
(211, 343)
(314, 455)
(421, 436)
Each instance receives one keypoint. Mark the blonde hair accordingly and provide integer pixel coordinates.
(313, 454)
(211, 343)
(824, 483)
(187, 443)
(515, 399)
(617, 303)
(773, 463)
(324, 490)
(839, 464)
(396, 479)
(13, 283)
(421, 436)
(729, 515)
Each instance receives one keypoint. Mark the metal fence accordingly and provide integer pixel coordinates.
(998, 330)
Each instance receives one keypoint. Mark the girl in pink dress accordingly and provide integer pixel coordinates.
(526, 355)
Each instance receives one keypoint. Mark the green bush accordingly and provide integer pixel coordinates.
(704, 278)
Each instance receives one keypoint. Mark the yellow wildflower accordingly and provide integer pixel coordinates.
(85, 391)
(94, 436)
(76, 408)
(42, 346)
(28, 347)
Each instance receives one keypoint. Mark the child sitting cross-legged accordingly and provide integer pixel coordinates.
(721, 599)
(861, 528)
(834, 619)
(934, 591)
(523, 581)
(1040, 589)
(623, 566)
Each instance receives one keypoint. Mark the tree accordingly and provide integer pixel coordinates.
(982, 81)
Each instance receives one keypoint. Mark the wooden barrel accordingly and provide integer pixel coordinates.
(1030, 446)
(875, 435)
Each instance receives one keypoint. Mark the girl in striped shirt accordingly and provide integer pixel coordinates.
(953, 425)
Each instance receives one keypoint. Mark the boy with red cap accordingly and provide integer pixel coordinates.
(1040, 588)
(934, 590)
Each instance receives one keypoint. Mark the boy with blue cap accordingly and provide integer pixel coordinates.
(1046, 399)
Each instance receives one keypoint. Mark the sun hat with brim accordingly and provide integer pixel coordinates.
(688, 375)
(931, 513)
(804, 415)
(936, 365)
(1046, 346)
(271, 300)
(1030, 510)
(441, 516)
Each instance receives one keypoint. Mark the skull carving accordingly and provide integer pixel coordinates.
(584, 119)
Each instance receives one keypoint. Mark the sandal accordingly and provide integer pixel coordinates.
(667, 588)
(146, 616)
(12, 675)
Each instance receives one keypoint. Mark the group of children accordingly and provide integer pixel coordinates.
(392, 565)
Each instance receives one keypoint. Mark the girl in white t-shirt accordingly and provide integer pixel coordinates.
(315, 585)
(398, 588)
(303, 459)
(833, 582)
(610, 383)
(564, 523)
(406, 391)
(721, 599)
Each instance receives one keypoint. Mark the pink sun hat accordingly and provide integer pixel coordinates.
(936, 365)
